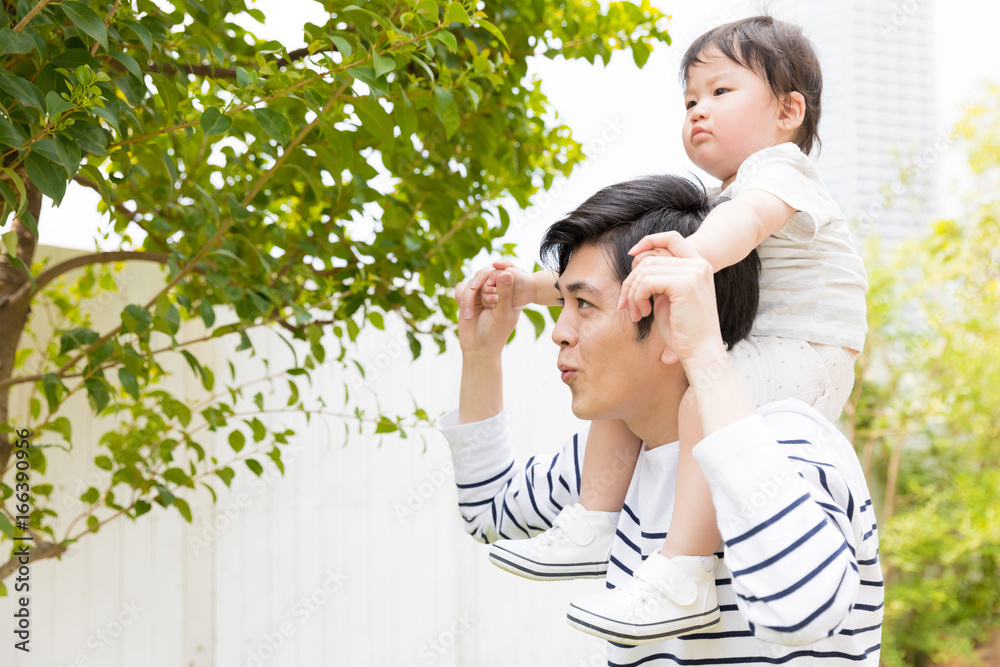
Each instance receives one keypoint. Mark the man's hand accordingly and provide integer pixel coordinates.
(687, 318)
(482, 338)
(683, 289)
(483, 288)
(486, 330)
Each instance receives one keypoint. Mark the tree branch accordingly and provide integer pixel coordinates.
(53, 272)
(229, 72)
(42, 551)
(21, 26)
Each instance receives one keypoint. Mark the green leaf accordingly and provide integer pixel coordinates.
(136, 319)
(15, 42)
(237, 440)
(6, 527)
(240, 214)
(129, 383)
(176, 476)
(414, 344)
(386, 425)
(19, 201)
(141, 507)
(128, 62)
(107, 116)
(275, 124)
(343, 46)
(374, 119)
(213, 122)
(456, 14)
(537, 320)
(377, 321)
(47, 176)
(10, 135)
(69, 155)
(183, 508)
(495, 31)
(103, 462)
(63, 427)
(97, 390)
(90, 496)
(140, 31)
(22, 90)
(9, 240)
(89, 137)
(383, 64)
(53, 388)
(55, 104)
(77, 338)
(86, 20)
(163, 496)
(259, 431)
(226, 475)
(207, 313)
(255, 467)
(448, 39)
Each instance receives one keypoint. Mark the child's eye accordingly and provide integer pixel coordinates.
(721, 91)
(689, 104)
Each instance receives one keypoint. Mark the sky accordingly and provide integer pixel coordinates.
(627, 119)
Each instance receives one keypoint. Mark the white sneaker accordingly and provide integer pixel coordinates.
(576, 547)
(667, 597)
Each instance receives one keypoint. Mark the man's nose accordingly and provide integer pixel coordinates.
(564, 332)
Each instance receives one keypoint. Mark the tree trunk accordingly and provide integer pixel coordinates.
(14, 314)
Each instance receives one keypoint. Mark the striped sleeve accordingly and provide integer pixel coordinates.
(787, 529)
(500, 497)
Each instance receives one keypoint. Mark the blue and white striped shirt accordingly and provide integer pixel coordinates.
(798, 578)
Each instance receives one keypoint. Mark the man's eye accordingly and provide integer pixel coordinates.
(561, 301)
(721, 91)
(583, 304)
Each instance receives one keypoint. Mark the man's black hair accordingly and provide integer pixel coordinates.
(620, 215)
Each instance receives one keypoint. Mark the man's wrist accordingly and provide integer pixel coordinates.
(707, 362)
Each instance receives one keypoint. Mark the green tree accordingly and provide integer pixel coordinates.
(309, 191)
(924, 420)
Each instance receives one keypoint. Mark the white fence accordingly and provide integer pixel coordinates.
(356, 556)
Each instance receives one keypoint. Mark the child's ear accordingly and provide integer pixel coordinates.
(793, 111)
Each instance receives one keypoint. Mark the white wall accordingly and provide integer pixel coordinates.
(356, 556)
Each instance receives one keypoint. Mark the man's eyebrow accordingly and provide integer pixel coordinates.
(579, 286)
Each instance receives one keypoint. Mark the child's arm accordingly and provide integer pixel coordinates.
(731, 230)
(729, 233)
(538, 288)
(734, 228)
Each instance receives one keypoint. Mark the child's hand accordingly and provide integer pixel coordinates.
(482, 288)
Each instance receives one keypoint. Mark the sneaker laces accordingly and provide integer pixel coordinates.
(551, 536)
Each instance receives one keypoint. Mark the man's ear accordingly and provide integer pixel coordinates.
(793, 112)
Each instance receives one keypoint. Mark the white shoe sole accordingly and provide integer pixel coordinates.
(538, 571)
(636, 635)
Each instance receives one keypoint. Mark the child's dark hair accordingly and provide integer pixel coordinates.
(776, 51)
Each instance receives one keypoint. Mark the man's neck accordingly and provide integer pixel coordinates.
(655, 421)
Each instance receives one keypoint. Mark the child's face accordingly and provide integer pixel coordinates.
(731, 114)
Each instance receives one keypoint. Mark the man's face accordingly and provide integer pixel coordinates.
(610, 374)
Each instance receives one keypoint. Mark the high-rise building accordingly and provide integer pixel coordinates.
(881, 143)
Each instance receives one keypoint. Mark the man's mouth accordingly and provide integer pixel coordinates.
(566, 373)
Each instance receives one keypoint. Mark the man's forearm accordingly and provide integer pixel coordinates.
(481, 395)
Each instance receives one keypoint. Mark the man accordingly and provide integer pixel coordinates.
(798, 580)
